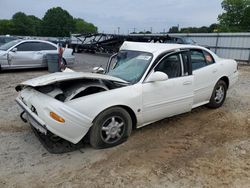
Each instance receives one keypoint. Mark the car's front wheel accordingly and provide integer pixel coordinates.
(219, 95)
(112, 127)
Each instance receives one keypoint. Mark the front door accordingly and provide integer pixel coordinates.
(163, 99)
(26, 55)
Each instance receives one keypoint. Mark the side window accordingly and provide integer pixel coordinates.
(171, 65)
(28, 46)
(209, 58)
(198, 59)
(46, 46)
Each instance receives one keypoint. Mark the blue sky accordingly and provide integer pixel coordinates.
(108, 15)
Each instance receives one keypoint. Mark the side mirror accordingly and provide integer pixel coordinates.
(98, 70)
(14, 50)
(157, 76)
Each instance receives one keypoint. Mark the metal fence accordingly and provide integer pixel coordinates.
(226, 45)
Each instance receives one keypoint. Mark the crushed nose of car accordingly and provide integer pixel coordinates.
(45, 101)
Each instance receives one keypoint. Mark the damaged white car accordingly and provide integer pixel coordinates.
(143, 83)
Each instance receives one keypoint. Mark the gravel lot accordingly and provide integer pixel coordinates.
(203, 148)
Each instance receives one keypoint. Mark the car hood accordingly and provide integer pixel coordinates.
(64, 76)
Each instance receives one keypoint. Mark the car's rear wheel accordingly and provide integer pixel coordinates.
(219, 95)
(112, 127)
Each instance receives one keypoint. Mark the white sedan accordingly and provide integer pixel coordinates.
(20, 54)
(143, 83)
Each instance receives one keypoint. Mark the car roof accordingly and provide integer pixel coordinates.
(155, 48)
(35, 40)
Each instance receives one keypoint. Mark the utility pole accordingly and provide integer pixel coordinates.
(151, 29)
(118, 30)
(134, 29)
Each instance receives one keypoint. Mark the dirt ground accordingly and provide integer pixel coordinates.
(203, 148)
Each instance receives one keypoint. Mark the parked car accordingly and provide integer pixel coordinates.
(19, 54)
(182, 40)
(179, 40)
(5, 39)
(143, 83)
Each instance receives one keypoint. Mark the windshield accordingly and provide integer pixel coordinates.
(130, 65)
(9, 45)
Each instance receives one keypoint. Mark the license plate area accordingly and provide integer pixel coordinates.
(36, 125)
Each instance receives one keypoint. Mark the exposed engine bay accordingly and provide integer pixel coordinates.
(72, 89)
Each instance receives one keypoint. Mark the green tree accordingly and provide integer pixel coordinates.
(36, 25)
(174, 29)
(22, 25)
(213, 28)
(57, 23)
(81, 26)
(6, 27)
(232, 19)
(245, 23)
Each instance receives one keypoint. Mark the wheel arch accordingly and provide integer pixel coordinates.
(226, 80)
(128, 109)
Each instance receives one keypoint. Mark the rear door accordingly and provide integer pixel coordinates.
(170, 97)
(205, 73)
(46, 48)
(28, 54)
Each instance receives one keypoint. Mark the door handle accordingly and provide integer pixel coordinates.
(187, 83)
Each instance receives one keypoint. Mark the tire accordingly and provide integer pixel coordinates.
(111, 127)
(219, 95)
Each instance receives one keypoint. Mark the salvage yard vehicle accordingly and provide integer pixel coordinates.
(143, 83)
(5, 39)
(20, 54)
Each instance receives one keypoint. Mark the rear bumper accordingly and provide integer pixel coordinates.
(74, 128)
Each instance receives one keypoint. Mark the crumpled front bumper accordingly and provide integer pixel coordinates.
(38, 107)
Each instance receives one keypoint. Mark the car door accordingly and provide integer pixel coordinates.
(173, 96)
(46, 48)
(205, 75)
(27, 54)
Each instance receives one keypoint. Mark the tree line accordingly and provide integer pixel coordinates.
(55, 23)
(235, 18)
(59, 23)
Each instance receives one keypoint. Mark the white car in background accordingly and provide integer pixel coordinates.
(19, 54)
(143, 83)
